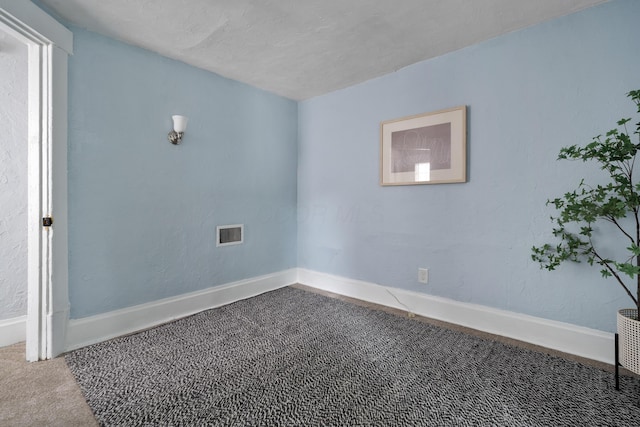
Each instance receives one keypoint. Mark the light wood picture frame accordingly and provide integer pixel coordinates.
(429, 148)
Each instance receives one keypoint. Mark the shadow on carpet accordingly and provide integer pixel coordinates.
(292, 357)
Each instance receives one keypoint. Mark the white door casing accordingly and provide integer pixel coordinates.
(49, 45)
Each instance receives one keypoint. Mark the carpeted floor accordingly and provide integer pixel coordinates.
(39, 394)
(291, 357)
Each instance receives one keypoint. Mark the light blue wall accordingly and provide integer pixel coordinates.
(143, 212)
(528, 94)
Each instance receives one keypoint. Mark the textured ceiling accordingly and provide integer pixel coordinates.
(303, 48)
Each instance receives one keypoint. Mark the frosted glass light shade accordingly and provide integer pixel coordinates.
(179, 123)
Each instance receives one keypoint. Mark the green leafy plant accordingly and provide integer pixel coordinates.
(616, 202)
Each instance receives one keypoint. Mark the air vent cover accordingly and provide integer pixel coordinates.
(229, 234)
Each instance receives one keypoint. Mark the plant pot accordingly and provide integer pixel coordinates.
(629, 339)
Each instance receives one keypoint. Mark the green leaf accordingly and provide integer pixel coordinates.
(628, 269)
(634, 249)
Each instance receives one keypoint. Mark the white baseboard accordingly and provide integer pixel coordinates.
(585, 342)
(13, 330)
(589, 343)
(94, 329)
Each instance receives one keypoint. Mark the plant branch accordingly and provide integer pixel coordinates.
(615, 274)
(615, 222)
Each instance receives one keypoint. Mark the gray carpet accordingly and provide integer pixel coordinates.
(292, 357)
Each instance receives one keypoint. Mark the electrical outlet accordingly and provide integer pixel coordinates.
(423, 275)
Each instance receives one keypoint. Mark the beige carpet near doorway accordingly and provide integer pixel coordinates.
(40, 393)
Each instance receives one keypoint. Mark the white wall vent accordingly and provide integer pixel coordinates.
(229, 234)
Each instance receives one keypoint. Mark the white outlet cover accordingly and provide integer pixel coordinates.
(423, 275)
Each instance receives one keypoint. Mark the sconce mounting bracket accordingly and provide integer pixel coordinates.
(175, 137)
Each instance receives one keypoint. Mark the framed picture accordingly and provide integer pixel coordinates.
(429, 148)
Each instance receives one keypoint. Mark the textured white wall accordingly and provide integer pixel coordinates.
(13, 177)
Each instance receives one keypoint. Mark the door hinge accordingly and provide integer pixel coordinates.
(47, 221)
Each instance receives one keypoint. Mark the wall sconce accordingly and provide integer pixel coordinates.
(179, 126)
